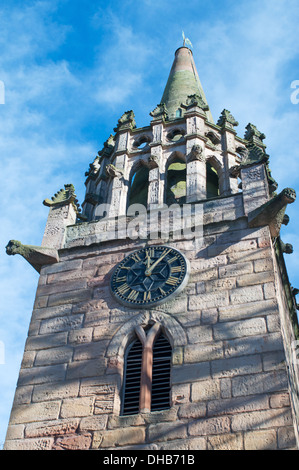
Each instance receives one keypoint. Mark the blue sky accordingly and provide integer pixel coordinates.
(71, 68)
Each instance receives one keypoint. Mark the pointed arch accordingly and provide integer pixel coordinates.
(176, 173)
(138, 184)
(147, 371)
(214, 172)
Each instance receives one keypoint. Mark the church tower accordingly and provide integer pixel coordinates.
(164, 318)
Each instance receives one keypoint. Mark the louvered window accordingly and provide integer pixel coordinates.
(161, 374)
(132, 379)
(147, 372)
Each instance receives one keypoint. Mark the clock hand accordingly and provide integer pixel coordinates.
(149, 270)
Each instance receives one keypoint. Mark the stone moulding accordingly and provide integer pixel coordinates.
(37, 256)
(272, 212)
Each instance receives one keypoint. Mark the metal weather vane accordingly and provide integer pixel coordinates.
(186, 41)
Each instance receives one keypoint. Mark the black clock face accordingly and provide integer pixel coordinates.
(149, 276)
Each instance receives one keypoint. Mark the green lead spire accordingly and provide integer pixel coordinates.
(183, 81)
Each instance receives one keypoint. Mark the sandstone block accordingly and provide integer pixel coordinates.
(264, 419)
(77, 407)
(117, 437)
(243, 295)
(54, 356)
(29, 444)
(69, 297)
(206, 352)
(55, 391)
(260, 440)
(237, 405)
(286, 438)
(239, 329)
(73, 442)
(233, 270)
(205, 390)
(167, 431)
(52, 428)
(190, 372)
(236, 366)
(38, 375)
(210, 426)
(23, 414)
(65, 323)
(210, 300)
(200, 334)
(226, 442)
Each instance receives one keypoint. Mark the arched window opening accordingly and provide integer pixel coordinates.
(212, 182)
(178, 113)
(132, 378)
(161, 374)
(147, 373)
(176, 182)
(138, 190)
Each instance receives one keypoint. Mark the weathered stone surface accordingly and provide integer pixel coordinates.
(117, 437)
(77, 407)
(261, 420)
(52, 428)
(29, 444)
(167, 431)
(225, 442)
(35, 412)
(239, 329)
(55, 391)
(211, 426)
(73, 442)
(260, 440)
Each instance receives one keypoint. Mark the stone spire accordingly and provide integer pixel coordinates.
(183, 81)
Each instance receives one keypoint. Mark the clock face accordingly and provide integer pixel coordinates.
(149, 276)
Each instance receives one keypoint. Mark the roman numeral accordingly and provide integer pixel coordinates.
(135, 257)
(147, 296)
(171, 260)
(124, 288)
(133, 295)
(176, 269)
(121, 279)
(172, 281)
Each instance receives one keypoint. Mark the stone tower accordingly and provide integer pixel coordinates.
(164, 317)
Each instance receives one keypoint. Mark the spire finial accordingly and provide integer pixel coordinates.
(186, 41)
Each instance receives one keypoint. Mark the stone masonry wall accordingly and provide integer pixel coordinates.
(229, 380)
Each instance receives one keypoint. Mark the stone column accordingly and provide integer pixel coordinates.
(228, 184)
(196, 178)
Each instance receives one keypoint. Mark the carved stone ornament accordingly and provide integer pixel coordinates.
(253, 135)
(227, 120)
(113, 172)
(160, 112)
(272, 212)
(127, 121)
(108, 148)
(64, 197)
(286, 248)
(196, 154)
(153, 161)
(37, 256)
(93, 168)
(195, 101)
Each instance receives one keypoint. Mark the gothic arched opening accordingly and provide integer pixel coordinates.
(176, 187)
(147, 373)
(212, 182)
(138, 190)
